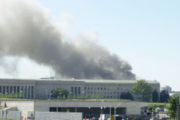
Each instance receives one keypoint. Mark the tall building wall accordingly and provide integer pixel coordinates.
(42, 89)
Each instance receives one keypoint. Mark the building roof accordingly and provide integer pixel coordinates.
(78, 80)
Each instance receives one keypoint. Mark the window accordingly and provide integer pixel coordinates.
(3, 89)
(10, 89)
(14, 89)
(75, 90)
(52, 109)
(7, 89)
(32, 91)
(18, 90)
(72, 90)
(79, 90)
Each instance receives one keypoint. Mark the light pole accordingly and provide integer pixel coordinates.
(114, 113)
(110, 111)
(115, 110)
(101, 112)
(6, 111)
(102, 108)
(2, 114)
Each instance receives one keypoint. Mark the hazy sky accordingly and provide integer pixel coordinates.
(143, 32)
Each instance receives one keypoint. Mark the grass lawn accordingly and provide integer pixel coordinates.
(78, 100)
(159, 105)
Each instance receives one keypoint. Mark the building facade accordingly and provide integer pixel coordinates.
(85, 107)
(42, 88)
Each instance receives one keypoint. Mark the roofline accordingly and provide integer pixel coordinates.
(76, 80)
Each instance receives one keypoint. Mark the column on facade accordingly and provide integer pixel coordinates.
(10, 89)
(75, 91)
(16, 91)
(25, 92)
(21, 91)
(30, 95)
(13, 89)
(29, 92)
(5, 89)
(32, 90)
(0, 89)
(72, 90)
(79, 90)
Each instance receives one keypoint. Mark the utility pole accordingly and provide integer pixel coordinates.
(114, 113)
(110, 111)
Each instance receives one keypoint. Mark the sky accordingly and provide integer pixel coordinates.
(144, 33)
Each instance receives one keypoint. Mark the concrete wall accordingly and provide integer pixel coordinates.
(178, 112)
(132, 108)
(57, 116)
(15, 115)
(23, 106)
(41, 89)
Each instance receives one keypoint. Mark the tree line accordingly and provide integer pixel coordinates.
(142, 91)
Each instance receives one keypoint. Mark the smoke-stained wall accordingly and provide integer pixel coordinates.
(27, 31)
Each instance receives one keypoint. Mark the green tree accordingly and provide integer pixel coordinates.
(164, 96)
(94, 96)
(143, 90)
(74, 97)
(64, 97)
(101, 96)
(86, 97)
(78, 97)
(10, 95)
(16, 95)
(155, 96)
(126, 95)
(60, 93)
(173, 101)
(20, 95)
(69, 97)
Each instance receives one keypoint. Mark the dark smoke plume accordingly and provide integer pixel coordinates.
(27, 31)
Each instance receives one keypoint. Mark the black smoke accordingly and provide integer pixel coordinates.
(27, 31)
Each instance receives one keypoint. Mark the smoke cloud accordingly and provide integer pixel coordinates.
(26, 30)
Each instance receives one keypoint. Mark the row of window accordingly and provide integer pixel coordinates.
(102, 89)
(27, 91)
(75, 90)
(88, 88)
(112, 93)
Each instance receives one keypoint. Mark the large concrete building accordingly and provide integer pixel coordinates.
(42, 88)
(87, 107)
